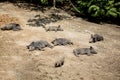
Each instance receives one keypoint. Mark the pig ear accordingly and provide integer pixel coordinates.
(92, 35)
(33, 42)
(58, 26)
(91, 47)
(52, 42)
(27, 46)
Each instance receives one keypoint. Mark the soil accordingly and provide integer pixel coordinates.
(18, 63)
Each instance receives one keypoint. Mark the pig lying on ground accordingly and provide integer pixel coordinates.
(12, 26)
(59, 62)
(54, 28)
(38, 45)
(84, 51)
(61, 41)
(95, 37)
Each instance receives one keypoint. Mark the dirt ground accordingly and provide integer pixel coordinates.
(17, 63)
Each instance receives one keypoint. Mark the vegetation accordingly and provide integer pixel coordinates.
(99, 8)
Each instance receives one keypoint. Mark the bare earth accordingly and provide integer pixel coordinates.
(17, 63)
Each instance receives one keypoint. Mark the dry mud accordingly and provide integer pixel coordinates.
(17, 63)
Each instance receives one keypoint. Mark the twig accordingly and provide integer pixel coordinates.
(74, 6)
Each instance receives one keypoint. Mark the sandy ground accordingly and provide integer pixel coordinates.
(17, 63)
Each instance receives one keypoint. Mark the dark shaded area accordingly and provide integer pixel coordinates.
(36, 5)
(118, 27)
(33, 5)
(98, 20)
(30, 6)
(3, 0)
